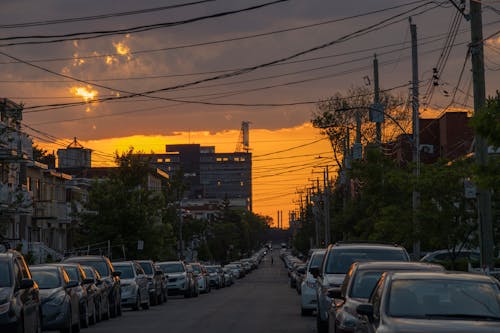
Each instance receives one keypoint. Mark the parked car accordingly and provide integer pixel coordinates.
(95, 290)
(87, 306)
(59, 298)
(358, 285)
(435, 302)
(215, 276)
(180, 281)
(19, 295)
(155, 282)
(300, 274)
(228, 277)
(110, 278)
(338, 258)
(201, 276)
(134, 285)
(308, 287)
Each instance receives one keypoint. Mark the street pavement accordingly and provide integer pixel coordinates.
(261, 302)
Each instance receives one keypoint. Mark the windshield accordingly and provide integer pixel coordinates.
(127, 271)
(89, 272)
(147, 267)
(172, 268)
(72, 273)
(5, 279)
(339, 260)
(99, 265)
(47, 278)
(444, 298)
(316, 259)
(363, 284)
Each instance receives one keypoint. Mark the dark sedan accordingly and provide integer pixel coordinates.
(59, 297)
(358, 285)
(433, 302)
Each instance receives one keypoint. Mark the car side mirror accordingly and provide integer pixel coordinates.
(117, 273)
(365, 310)
(88, 281)
(72, 284)
(334, 293)
(314, 271)
(26, 284)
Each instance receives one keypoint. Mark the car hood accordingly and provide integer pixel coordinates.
(47, 293)
(410, 325)
(5, 294)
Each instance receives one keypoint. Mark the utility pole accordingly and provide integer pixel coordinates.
(326, 190)
(416, 139)
(483, 194)
(376, 97)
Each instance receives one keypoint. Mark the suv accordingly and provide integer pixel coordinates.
(19, 295)
(336, 262)
(180, 280)
(155, 281)
(110, 278)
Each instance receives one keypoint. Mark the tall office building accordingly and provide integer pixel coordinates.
(210, 176)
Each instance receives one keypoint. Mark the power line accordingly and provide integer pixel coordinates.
(98, 17)
(228, 39)
(142, 28)
(379, 25)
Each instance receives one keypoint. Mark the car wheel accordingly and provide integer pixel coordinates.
(92, 319)
(119, 308)
(137, 304)
(69, 324)
(305, 312)
(146, 305)
(321, 326)
(187, 294)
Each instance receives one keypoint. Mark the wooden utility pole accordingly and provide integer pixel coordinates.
(376, 99)
(481, 147)
(416, 139)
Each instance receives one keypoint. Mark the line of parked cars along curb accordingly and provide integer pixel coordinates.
(81, 291)
(374, 287)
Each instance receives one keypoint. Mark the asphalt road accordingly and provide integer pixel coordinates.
(262, 302)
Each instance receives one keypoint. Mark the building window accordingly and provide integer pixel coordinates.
(28, 184)
(242, 184)
(219, 183)
(159, 160)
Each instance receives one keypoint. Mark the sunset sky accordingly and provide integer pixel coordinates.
(278, 61)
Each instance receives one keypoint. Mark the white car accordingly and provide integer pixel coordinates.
(308, 287)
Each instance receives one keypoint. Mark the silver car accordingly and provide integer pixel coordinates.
(134, 285)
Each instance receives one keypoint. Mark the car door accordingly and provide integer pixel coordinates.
(28, 297)
(142, 282)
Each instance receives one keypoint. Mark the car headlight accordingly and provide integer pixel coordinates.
(4, 307)
(347, 321)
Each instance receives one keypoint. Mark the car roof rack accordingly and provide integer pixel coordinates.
(365, 242)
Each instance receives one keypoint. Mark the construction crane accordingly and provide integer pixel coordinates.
(243, 145)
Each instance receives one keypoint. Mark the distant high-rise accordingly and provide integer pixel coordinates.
(210, 175)
(74, 156)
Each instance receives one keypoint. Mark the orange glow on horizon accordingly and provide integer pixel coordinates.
(280, 168)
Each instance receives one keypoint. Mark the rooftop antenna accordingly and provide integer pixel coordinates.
(243, 144)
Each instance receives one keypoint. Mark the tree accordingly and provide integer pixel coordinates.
(123, 210)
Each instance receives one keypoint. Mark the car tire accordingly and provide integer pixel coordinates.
(146, 305)
(137, 305)
(321, 326)
(187, 294)
(306, 312)
(84, 318)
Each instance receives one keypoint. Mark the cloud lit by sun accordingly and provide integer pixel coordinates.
(122, 49)
(86, 93)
